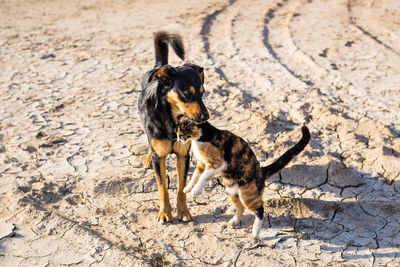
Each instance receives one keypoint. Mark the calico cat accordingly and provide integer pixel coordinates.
(222, 152)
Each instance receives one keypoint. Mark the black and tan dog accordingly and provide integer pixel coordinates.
(168, 92)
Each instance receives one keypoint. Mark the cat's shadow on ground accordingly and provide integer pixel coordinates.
(358, 223)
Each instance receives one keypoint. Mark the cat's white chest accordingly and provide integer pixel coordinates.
(196, 152)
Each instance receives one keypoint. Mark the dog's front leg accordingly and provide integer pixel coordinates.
(165, 214)
(182, 167)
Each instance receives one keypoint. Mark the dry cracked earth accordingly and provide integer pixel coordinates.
(73, 191)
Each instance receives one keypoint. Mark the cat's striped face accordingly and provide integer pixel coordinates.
(187, 130)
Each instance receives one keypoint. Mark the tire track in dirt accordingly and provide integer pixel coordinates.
(383, 31)
(241, 42)
(248, 53)
(335, 88)
(218, 44)
(289, 55)
(225, 37)
(331, 83)
(205, 35)
(263, 75)
(269, 16)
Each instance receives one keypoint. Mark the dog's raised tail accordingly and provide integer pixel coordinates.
(288, 155)
(161, 41)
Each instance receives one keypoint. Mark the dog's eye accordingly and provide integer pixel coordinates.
(168, 83)
(188, 95)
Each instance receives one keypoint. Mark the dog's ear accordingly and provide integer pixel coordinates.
(164, 75)
(199, 70)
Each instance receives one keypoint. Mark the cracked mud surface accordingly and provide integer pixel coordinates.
(72, 187)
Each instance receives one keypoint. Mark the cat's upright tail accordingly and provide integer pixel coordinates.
(288, 156)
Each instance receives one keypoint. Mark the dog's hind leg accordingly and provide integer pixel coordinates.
(147, 160)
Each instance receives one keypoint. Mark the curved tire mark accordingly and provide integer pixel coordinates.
(365, 32)
(270, 14)
(205, 31)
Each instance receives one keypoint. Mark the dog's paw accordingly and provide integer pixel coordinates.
(184, 215)
(147, 163)
(164, 217)
(234, 221)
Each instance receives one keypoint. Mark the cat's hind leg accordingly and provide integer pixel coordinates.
(233, 190)
(258, 221)
(252, 200)
(239, 210)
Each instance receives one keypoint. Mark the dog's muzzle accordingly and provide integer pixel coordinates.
(202, 118)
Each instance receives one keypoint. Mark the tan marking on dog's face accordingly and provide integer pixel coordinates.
(192, 90)
(192, 110)
(178, 107)
(173, 100)
(161, 147)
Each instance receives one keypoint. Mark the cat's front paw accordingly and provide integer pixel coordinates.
(187, 189)
(196, 190)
